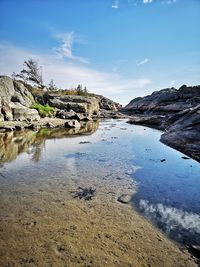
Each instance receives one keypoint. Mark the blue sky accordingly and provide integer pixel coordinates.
(121, 49)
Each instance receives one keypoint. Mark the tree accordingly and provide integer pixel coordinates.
(31, 72)
(85, 90)
(52, 86)
(79, 89)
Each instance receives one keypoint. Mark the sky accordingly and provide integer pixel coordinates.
(121, 49)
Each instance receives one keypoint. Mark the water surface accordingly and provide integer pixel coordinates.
(168, 186)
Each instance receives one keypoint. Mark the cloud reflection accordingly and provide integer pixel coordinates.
(172, 220)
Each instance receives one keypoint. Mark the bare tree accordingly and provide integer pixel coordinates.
(32, 72)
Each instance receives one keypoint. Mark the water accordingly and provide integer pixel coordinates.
(167, 191)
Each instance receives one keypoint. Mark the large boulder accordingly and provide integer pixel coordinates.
(15, 100)
(22, 95)
(22, 113)
(108, 104)
(78, 104)
(6, 87)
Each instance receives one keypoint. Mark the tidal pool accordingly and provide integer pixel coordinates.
(167, 186)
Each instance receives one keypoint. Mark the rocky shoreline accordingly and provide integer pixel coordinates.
(176, 112)
(20, 106)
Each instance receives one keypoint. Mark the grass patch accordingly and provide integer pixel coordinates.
(44, 111)
(61, 92)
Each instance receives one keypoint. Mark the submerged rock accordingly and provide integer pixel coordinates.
(84, 193)
(124, 198)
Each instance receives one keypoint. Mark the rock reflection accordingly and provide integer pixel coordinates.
(178, 224)
(14, 143)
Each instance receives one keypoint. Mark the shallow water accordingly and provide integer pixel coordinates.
(167, 191)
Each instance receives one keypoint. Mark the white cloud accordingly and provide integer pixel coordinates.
(171, 218)
(172, 83)
(169, 2)
(147, 1)
(64, 50)
(70, 74)
(142, 62)
(115, 4)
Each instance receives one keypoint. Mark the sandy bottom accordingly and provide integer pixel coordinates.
(44, 225)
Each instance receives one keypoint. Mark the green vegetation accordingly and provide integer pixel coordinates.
(44, 111)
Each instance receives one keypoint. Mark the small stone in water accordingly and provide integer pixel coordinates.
(124, 198)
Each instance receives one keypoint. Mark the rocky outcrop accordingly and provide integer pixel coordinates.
(15, 101)
(166, 101)
(108, 104)
(177, 112)
(76, 103)
(17, 97)
(183, 132)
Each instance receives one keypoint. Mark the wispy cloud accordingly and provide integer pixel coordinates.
(147, 1)
(142, 62)
(172, 83)
(171, 218)
(169, 2)
(64, 50)
(115, 4)
(69, 74)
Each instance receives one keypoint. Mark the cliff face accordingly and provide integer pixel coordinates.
(177, 112)
(15, 101)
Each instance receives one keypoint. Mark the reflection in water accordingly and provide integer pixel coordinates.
(181, 225)
(113, 153)
(14, 143)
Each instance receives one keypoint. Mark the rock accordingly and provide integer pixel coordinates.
(6, 110)
(7, 128)
(107, 104)
(183, 133)
(33, 127)
(50, 125)
(151, 120)
(72, 124)
(6, 87)
(78, 104)
(84, 193)
(22, 113)
(15, 100)
(1, 117)
(22, 94)
(124, 198)
(185, 158)
(63, 114)
(166, 101)
(177, 112)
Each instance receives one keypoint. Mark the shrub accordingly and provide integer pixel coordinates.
(44, 111)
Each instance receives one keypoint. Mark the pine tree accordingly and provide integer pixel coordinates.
(31, 73)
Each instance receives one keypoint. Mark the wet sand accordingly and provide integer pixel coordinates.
(46, 226)
(42, 224)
